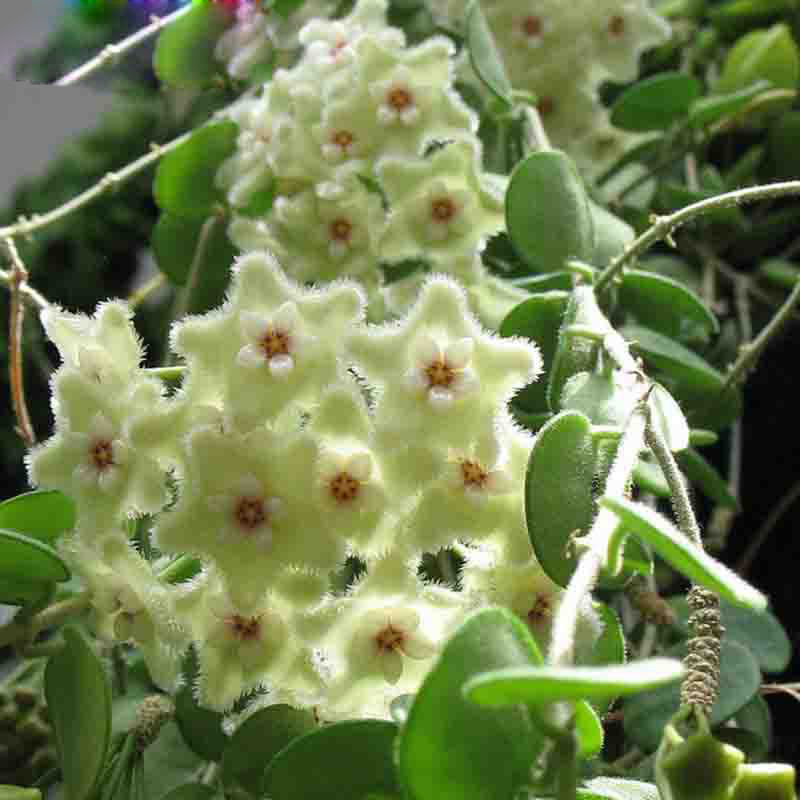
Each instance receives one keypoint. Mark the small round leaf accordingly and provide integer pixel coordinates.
(22, 557)
(42, 514)
(484, 55)
(656, 102)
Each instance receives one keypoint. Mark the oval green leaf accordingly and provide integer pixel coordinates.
(646, 714)
(704, 475)
(78, 697)
(184, 55)
(608, 649)
(666, 306)
(347, 760)
(258, 740)
(656, 102)
(19, 592)
(612, 233)
(588, 729)
(185, 182)
(710, 109)
(452, 749)
(761, 633)
(686, 557)
(22, 557)
(538, 318)
(548, 216)
(549, 281)
(539, 685)
(667, 418)
(762, 55)
(42, 514)
(558, 491)
(484, 55)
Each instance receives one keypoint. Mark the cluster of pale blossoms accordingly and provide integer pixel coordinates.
(562, 52)
(300, 436)
(375, 162)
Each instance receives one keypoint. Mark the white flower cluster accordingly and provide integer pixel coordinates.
(373, 157)
(562, 52)
(301, 436)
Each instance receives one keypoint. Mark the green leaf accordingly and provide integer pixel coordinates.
(682, 554)
(617, 789)
(558, 491)
(647, 475)
(538, 318)
(769, 55)
(19, 793)
(588, 729)
(19, 592)
(185, 182)
(452, 749)
(547, 282)
(646, 714)
(200, 727)
(785, 162)
(540, 685)
(78, 697)
(191, 791)
(704, 475)
(22, 557)
(484, 55)
(346, 760)
(169, 763)
(782, 273)
(702, 438)
(258, 740)
(609, 648)
(656, 102)
(761, 633)
(755, 718)
(710, 109)
(667, 418)
(548, 216)
(42, 515)
(666, 306)
(175, 242)
(612, 233)
(697, 386)
(575, 353)
(184, 55)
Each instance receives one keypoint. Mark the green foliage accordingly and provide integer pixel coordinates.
(42, 515)
(483, 55)
(655, 102)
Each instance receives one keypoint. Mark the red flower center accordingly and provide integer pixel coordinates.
(443, 209)
(245, 629)
(341, 230)
(399, 98)
(390, 638)
(532, 26)
(344, 487)
(275, 343)
(102, 455)
(250, 512)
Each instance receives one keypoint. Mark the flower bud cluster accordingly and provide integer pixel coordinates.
(562, 52)
(300, 437)
(373, 158)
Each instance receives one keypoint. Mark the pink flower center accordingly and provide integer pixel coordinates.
(443, 209)
(275, 343)
(250, 513)
(245, 629)
(390, 638)
(344, 487)
(102, 454)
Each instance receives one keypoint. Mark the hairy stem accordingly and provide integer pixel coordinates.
(584, 579)
(663, 227)
(16, 317)
(113, 52)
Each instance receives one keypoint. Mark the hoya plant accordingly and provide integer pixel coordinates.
(403, 502)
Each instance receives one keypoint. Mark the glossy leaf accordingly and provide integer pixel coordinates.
(646, 714)
(452, 749)
(19, 592)
(588, 730)
(538, 318)
(689, 378)
(200, 727)
(666, 306)
(713, 107)
(42, 514)
(258, 740)
(612, 234)
(656, 102)
(540, 685)
(686, 557)
(558, 491)
(345, 759)
(769, 55)
(78, 697)
(548, 216)
(484, 55)
(185, 182)
(184, 55)
(704, 475)
(617, 789)
(575, 354)
(667, 418)
(22, 557)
